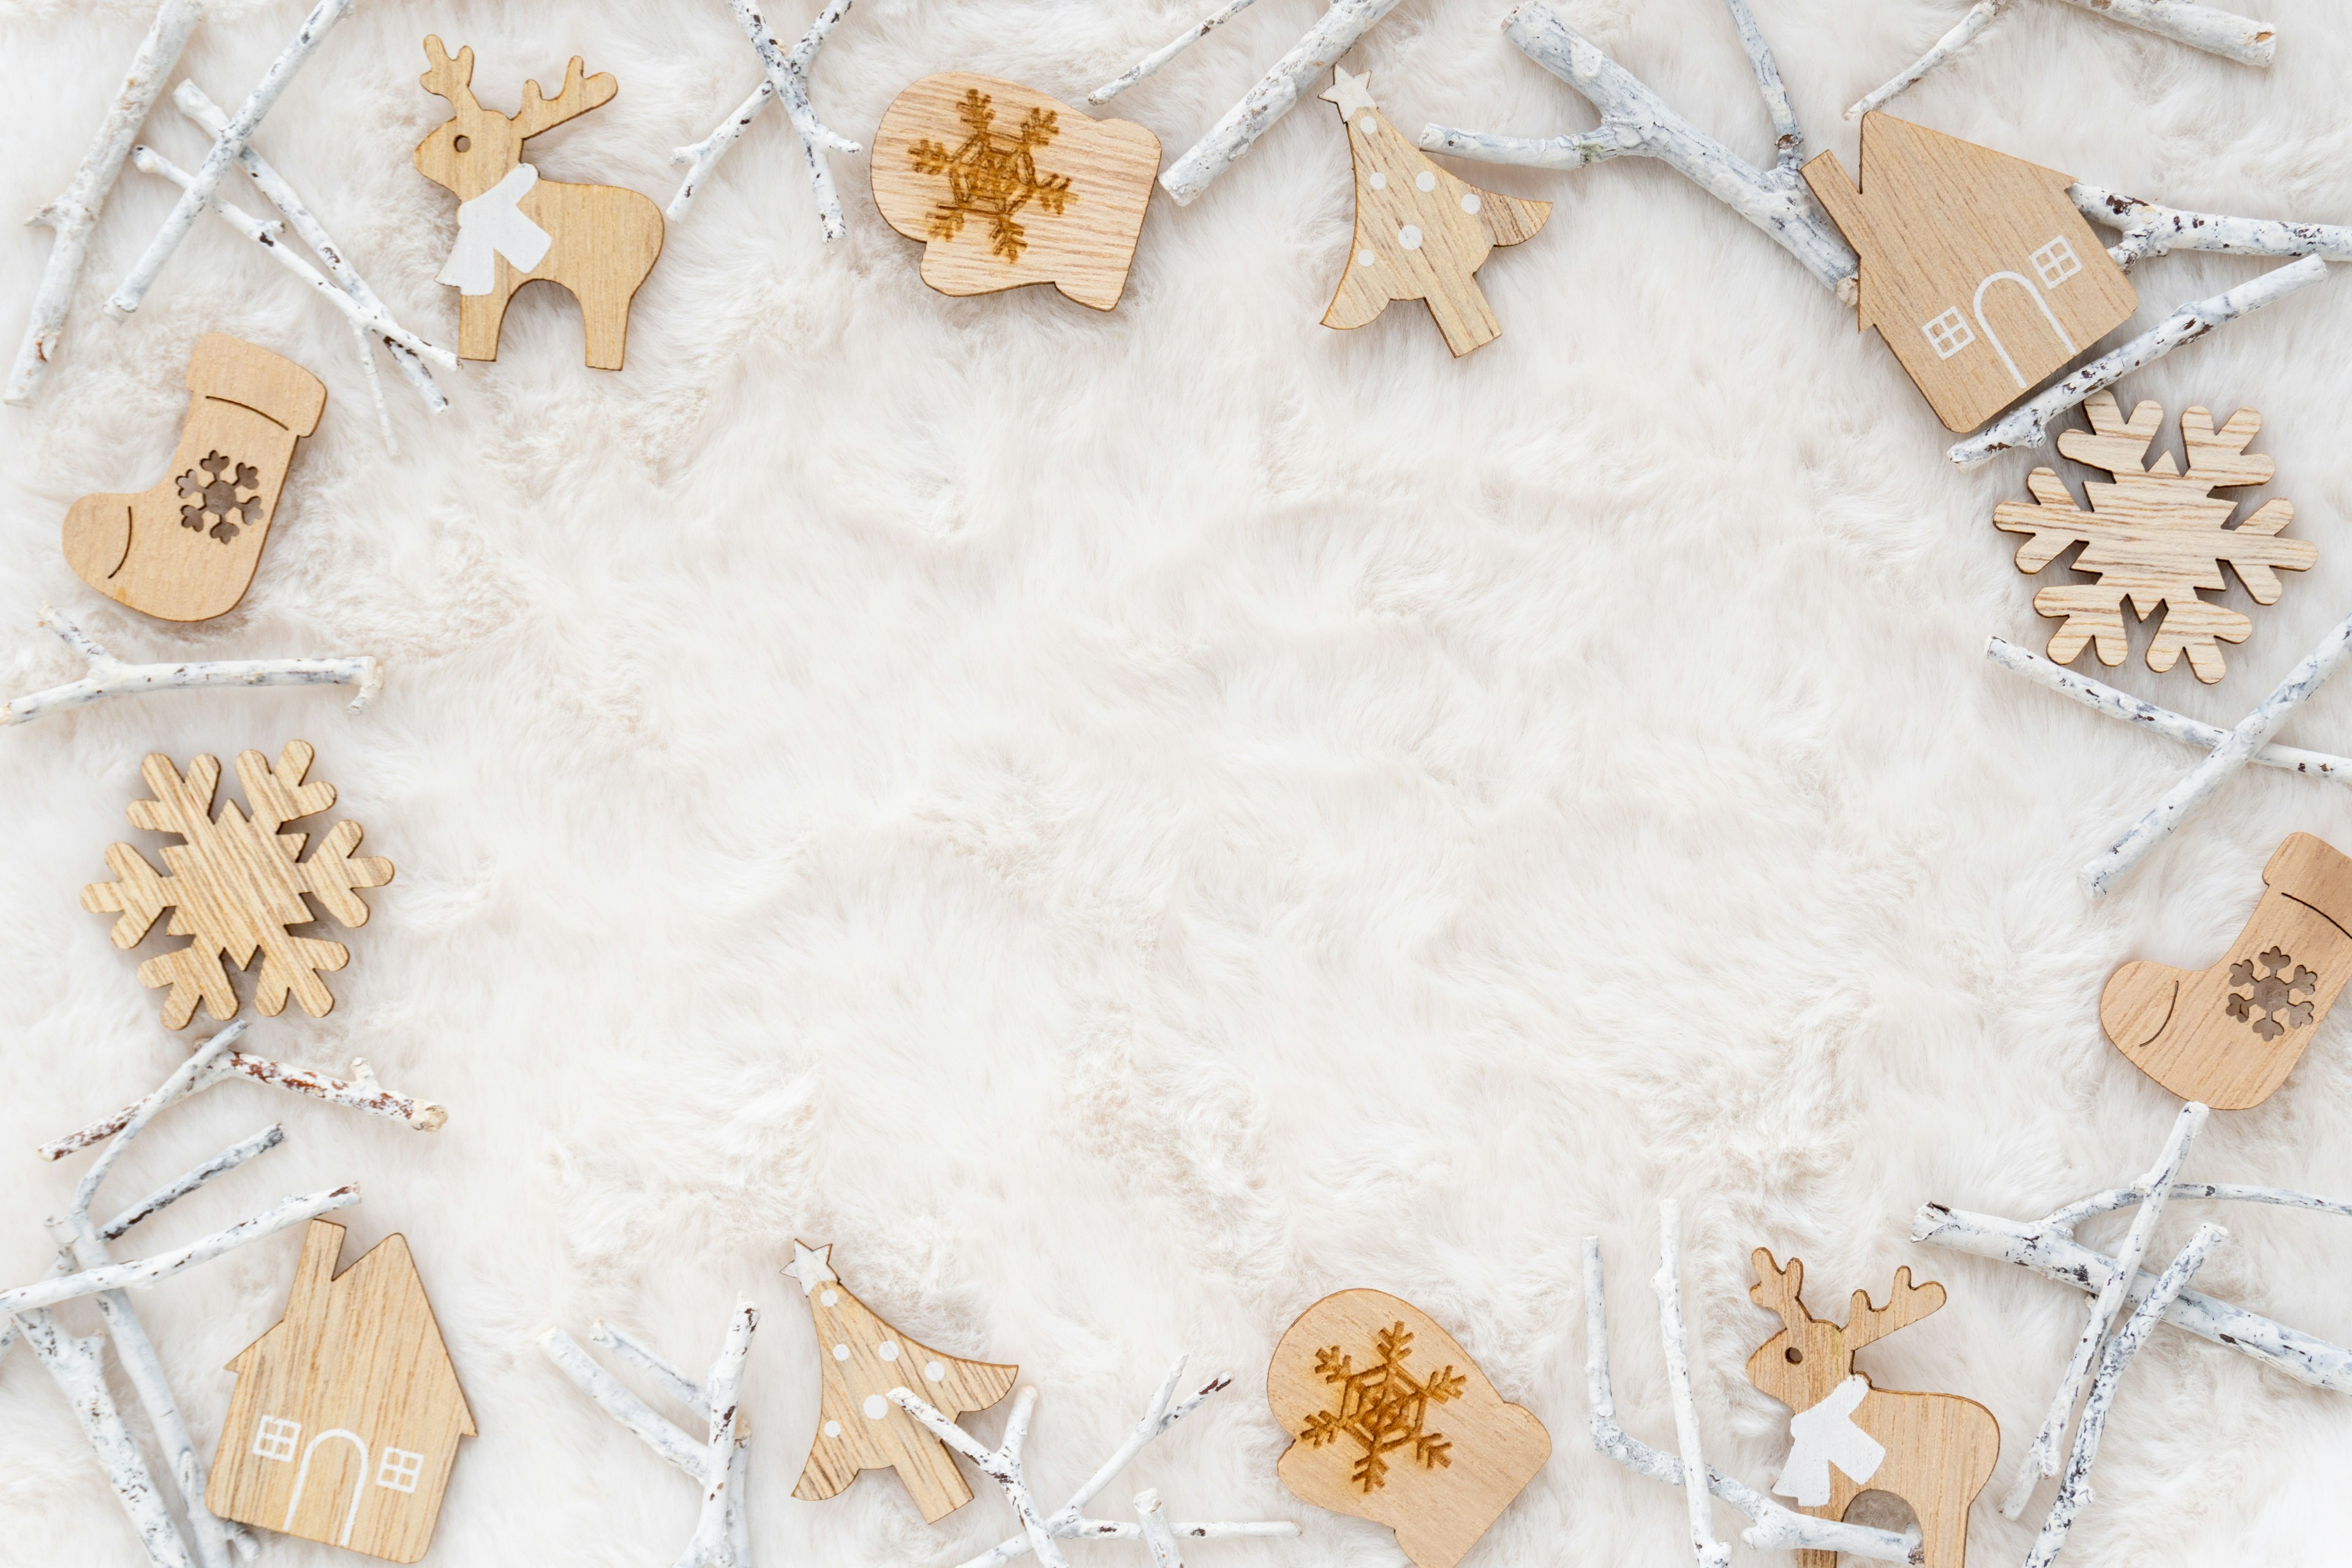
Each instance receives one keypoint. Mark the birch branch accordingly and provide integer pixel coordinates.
(2028, 424)
(1333, 34)
(674, 1383)
(665, 1438)
(1150, 1518)
(1777, 1529)
(362, 1093)
(785, 77)
(1150, 63)
(73, 215)
(2053, 1252)
(179, 1187)
(1667, 1284)
(209, 116)
(110, 677)
(2103, 698)
(373, 319)
(1788, 136)
(2042, 1458)
(2075, 1490)
(1635, 121)
(143, 1272)
(79, 1368)
(2150, 229)
(200, 188)
(712, 1540)
(2074, 1214)
(2235, 751)
(1964, 32)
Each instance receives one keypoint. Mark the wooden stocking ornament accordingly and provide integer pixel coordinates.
(1935, 1451)
(1974, 266)
(1421, 233)
(346, 1417)
(1006, 186)
(1391, 1420)
(862, 1359)
(2228, 1034)
(186, 549)
(513, 228)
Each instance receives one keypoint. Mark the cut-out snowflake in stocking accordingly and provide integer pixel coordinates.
(218, 502)
(1382, 1407)
(2278, 993)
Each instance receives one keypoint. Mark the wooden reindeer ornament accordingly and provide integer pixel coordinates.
(513, 228)
(1935, 1451)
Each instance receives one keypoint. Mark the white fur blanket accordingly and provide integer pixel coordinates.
(1125, 823)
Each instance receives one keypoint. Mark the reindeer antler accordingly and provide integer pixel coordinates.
(447, 77)
(579, 96)
(1908, 1304)
(1777, 1289)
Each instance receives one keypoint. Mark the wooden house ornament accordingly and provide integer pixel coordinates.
(1975, 267)
(347, 1415)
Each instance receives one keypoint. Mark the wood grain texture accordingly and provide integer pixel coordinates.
(602, 240)
(186, 549)
(1391, 1420)
(1006, 187)
(347, 1413)
(862, 1358)
(1421, 233)
(2229, 1034)
(1975, 267)
(1939, 1448)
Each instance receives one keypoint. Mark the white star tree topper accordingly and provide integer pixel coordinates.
(810, 1266)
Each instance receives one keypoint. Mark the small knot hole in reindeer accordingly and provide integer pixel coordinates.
(513, 228)
(1935, 1451)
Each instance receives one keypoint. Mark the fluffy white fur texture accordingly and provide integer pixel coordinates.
(1125, 823)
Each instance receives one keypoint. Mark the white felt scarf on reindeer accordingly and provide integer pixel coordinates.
(492, 225)
(1826, 1435)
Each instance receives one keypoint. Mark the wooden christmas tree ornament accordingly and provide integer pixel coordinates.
(1935, 1451)
(513, 228)
(2155, 535)
(1975, 267)
(236, 884)
(2228, 1034)
(186, 549)
(1392, 1421)
(347, 1415)
(1420, 234)
(1006, 186)
(858, 1426)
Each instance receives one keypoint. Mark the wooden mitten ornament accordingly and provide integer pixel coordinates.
(1006, 186)
(347, 1415)
(235, 884)
(513, 228)
(1935, 1451)
(2156, 535)
(2229, 1035)
(1975, 267)
(1421, 233)
(1392, 1421)
(858, 1426)
(187, 549)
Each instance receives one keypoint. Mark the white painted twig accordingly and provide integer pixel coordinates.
(2100, 875)
(2051, 1250)
(370, 318)
(2103, 698)
(2150, 229)
(1667, 1284)
(673, 1381)
(2042, 1458)
(2074, 1489)
(785, 77)
(1039, 1532)
(1152, 62)
(210, 117)
(180, 1186)
(664, 1437)
(2028, 424)
(110, 677)
(1777, 1529)
(1150, 1518)
(712, 1542)
(1635, 121)
(361, 1093)
(2075, 1213)
(79, 1368)
(2216, 32)
(200, 188)
(1788, 136)
(74, 213)
(139, 1273)
(1333, 34)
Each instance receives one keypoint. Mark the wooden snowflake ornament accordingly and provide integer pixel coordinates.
(1420, 234)
(235, 884)
(2155, 535)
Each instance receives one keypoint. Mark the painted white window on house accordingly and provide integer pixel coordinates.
(2056, 262)
(399, 1470)
(1949, 333)
(276, 1436)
